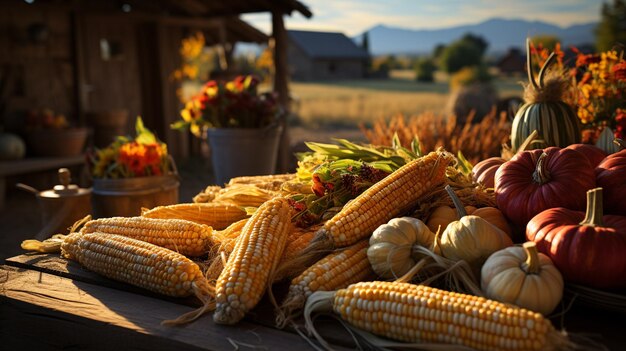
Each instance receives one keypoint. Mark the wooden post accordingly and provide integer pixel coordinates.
(281, 86)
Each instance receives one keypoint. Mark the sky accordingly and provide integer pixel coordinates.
(352, 17)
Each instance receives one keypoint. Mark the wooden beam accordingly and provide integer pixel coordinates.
(192, 7)
(281, 85)
(79, 65)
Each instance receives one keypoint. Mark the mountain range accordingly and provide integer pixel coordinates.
(501, 34)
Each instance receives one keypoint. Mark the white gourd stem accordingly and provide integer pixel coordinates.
(594, 213)
(531, 265)
(460, 209)
(541, 175)
(529, 65)
(619, 142)
(544, 69)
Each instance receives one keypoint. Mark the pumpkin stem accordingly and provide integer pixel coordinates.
(531, 265)
(619, 142)
(594, 213)
(541, 174)
(460, 209)
(529, 140)
(529, 65)
(544, 68)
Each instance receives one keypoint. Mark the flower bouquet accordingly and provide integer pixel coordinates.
(241, 125)
(232, 104)
(131, 174)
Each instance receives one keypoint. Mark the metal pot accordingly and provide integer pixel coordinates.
(61, 206)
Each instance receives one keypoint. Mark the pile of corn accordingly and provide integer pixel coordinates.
(242, 255)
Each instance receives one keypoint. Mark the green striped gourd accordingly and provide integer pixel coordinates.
(545, 111)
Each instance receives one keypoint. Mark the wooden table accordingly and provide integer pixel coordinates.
(50, 303)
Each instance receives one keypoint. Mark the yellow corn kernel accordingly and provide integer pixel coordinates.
(387, 199)
(421, 314)
(335, 271)
(185, 237)
(214, 214)
(141, 264)
(259, 247)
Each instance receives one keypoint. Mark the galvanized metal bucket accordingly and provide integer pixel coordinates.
(239, 152)
(126, 197)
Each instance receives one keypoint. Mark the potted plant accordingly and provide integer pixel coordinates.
(131, 174)
(50, 134)
(241, 125)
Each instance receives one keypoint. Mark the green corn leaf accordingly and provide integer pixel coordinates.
(395, 141)
(416, 146)
(464, 165)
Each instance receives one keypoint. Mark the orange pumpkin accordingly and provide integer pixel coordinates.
(444, 215)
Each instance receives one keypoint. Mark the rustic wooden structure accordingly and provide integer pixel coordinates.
(512, 63)
(325, 56)
(86, 57)
(50, 303)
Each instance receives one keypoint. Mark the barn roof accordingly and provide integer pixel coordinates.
(326, 44)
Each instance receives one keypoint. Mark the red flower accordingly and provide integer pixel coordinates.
(619, 71)
(585, 60)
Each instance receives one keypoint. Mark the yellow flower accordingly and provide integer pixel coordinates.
(186, 115)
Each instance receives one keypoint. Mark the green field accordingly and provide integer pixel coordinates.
(348, 103)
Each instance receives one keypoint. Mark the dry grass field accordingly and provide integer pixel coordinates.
(345, 104)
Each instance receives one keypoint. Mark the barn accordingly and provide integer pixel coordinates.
(324, 56)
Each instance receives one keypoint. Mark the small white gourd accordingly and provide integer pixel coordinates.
(523, 277)
(391, 252)
(471, 238)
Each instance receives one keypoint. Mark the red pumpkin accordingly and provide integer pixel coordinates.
(594, 154)
(590, 252)
(484, 171)
(536, 180)
(611, 176)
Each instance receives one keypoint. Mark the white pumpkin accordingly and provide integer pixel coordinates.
(524, 277)
(391, 251)
(471, 238)
(12, 147)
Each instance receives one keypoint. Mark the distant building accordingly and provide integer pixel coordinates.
(513, 62)
(325, 56)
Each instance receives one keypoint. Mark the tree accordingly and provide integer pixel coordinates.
(439, 49)
(460, 54)
(611, 30)
(425, 70)
(477, 41)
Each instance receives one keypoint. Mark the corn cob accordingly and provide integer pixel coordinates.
(221, 253)
(262, 179)
(421, 314)
(298, 240)
(208, 194)
(185, 237)
(259, 247)
(391, 197)
(230, 234)
(335, 271)
(141, 264)
(245, 195)
(215, 214)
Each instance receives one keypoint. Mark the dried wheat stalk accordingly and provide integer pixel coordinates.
(476, 141)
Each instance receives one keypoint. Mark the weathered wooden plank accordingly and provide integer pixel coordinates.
(54, 264)
(112, 318)
(262, 315)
